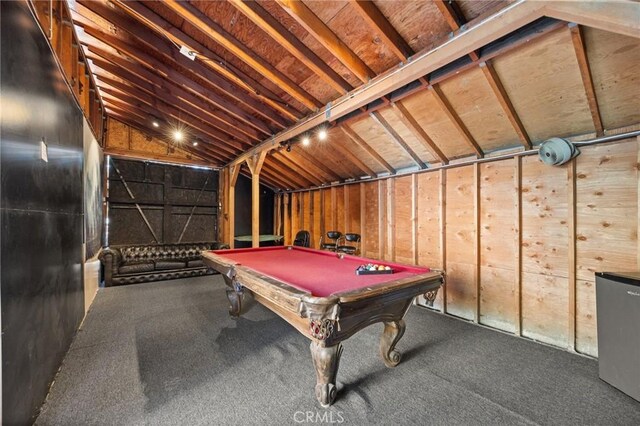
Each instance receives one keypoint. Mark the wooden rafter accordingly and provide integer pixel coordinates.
(315, 163)
(286, 172)
(321, 32)
(141, 113)
(174, 76)
(221, 132)
(379, 119)
(454, 18)
(508, 108)
(455, 119)
(216, 33)
(279, 33)
(587, 80)
(412, 124)
(154, 105)
(365, 146)
(297, 168)
(168, 51)
(163, 88)
(127, 116)
(342, 149)
(213, 61)
(378, 21)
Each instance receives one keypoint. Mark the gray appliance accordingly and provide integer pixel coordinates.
(618, 304)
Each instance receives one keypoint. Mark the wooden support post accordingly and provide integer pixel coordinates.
(255, 165)
(476, 214)
(518, 237)
(363, 216)
(414, 217)
(382, 194)
(334, 209)
(443, 231)
(390, 253)
(233, 178)
(571, 178)
(287, 220)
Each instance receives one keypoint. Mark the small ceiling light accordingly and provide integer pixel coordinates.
(306, 141)
(195, 142)
(177, 135)
(322, 134)
(155, 123)
(288, 147)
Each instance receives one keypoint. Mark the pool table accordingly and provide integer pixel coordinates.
(319, 293)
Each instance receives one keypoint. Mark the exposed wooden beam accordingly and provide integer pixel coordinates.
(326, 171)
(380, 23)
(255, 165)
(169, 51)
(178, 77)
(454, 18)
(503, 98)
(455, 119)
(161, 87)
(221, 133)
(141, 113)
(619, 17)
(279, 33)
(289, 174)
(126, 115)
(342, 149)
(379, 119)
(154, 105)
(216, 33)
(321, 32)
(365, 146)
(215, 62)
(412, 124)
(298, 168)
(587, 80)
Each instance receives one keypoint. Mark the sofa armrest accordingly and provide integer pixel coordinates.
(111, 259)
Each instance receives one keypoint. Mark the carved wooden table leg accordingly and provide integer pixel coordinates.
(236, 301)
(326, 360)
(392, 333)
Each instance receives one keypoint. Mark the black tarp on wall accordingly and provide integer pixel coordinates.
(41, 220)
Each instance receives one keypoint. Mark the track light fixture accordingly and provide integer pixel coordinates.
(322, 134)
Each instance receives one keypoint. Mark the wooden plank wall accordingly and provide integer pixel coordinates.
(519, 241)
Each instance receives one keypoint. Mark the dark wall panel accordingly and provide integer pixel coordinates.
(180, 203)
(41, 218)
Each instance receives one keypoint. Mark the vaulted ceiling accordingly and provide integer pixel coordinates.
(261, 67)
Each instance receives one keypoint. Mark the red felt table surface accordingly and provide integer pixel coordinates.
(322, 273)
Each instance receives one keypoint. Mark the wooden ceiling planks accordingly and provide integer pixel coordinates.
(470, 95)
(376, 19)
(437, 125)
(614, 63)
(325, 33)
(549, 96)
(214, 31)
(279, 33)
(392, 118)
(377, 138)
(214, 61)
(367, 149)
(169, 52)
(408, 18)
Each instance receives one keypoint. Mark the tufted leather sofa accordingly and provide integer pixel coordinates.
(136, 264)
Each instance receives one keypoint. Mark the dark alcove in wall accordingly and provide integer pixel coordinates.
(243, 207)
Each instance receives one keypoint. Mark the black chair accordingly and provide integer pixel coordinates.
(302, 239)
(333, 237)
(350, 244)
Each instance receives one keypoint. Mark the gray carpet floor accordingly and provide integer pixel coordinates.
(168, 353)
